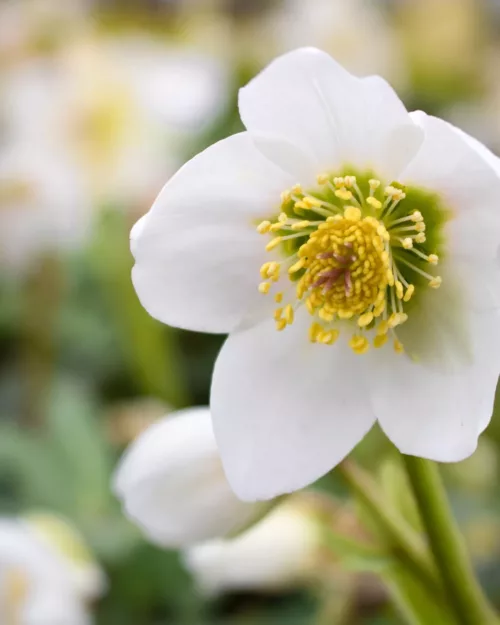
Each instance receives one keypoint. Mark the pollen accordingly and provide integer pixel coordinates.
(354, 257)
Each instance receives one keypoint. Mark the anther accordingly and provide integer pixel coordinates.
(281, 324)
(297, 266)
(435, 283)
(352, 213)
(373, 202)
(409, 292)
(263, 227)
(264, 287)
(288, 314)
(322, 178)
(273, 243)
(365, 319)
(343, 194)
(278, 298)
(433, 259)
(380, 340)
(398, 347)
(407, 243)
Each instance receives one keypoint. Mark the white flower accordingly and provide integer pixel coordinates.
(87, 576)
(35, 585)
(172, 483)
(97, 102)
(363, 211)
(281, 551)
(355, 32)
(43, 204)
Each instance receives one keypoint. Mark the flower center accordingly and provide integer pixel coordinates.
(355, 254)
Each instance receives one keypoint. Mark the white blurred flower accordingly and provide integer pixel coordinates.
(43, 204)
(351, 251)
(36, 587)
(355, 32)
(281, 551)
(119, 108)
(172, 484)
(64, 539)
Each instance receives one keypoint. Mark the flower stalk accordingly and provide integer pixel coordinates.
(464, 592)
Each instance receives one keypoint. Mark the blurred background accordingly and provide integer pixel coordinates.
(101, 101)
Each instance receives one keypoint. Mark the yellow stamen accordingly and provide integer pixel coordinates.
(435, 283)
(280, 324)
(278, 298)
(380, 340)
(352, 213)
(365, 319)
(263, 227)
(433, 259)
(264, 287)
(359, 344)
(273, 243)
(297, 266)
(409, 292)
(288, 314)
(398, 347)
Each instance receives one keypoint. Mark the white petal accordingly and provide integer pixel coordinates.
(448, 164)
(336, 119)
(433, 414)
(279, 552)
(285, 411)
(197, 251)
(172, 483)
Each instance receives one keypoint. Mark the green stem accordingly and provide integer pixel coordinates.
(450, 555)
(394, 528)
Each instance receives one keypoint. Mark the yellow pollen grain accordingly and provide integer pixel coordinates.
(398, 347)
(409, 292)
(273, 243)
(263, 227)
(352, 213)
(380, 340)
(278, 298)
(374, 203)
(435, 283)
(281, 324)
(433, 259)
(365, 319)
(288, 314)
(264, 287)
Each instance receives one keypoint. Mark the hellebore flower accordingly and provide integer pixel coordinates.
(375, 233)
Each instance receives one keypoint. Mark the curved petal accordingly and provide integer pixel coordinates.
(309, 100)
(197, 252)
(433, 414)
(172, 483)
(285, 411)
(448, 163)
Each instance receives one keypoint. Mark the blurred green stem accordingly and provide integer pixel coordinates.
(446, 543)
(400, 537)
(41, 303)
